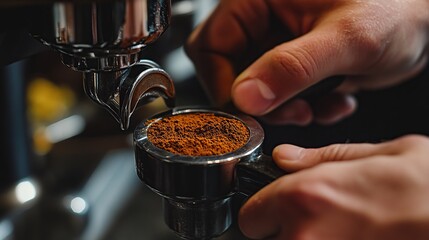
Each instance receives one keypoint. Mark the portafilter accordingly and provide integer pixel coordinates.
(197, 190)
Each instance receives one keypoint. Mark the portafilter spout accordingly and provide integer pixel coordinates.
(121, 92)
(104, 40)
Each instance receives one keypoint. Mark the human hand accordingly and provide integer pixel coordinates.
(373, 43)
(356, 191)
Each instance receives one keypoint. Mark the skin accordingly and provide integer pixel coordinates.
(345, 191)
(260, 54)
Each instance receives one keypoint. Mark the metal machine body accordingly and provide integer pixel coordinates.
(104, 40)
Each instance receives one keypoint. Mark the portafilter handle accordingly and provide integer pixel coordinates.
(255, 173)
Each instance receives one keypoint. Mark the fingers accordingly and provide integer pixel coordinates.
(258, 220)
(324, 110)
(294, 158)
(280, 209)
(288, 69)
(259, 217)
(333, 107)
(306, 204)
(296, 112)
(218, 74)
(383, 79)
(337, 39)
(222, 44)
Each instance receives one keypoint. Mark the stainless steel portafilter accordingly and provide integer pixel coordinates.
(197, 191)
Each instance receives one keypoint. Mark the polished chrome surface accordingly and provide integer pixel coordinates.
(197, 190)
(192, 177)
(120, 92)
(101, 36)
(198, 220)
(117, 206)
(104, 40)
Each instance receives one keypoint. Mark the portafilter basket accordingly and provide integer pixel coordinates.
(197, 190)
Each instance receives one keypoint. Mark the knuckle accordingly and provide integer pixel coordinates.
(333, 152)
(304, 233)
(295, 64)
(361, 36)
(307, 195)
(306, 199)
(413, 140)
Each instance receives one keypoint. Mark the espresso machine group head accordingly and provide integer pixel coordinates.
(104, 40)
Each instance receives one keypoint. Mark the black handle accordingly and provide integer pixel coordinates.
(254, 174)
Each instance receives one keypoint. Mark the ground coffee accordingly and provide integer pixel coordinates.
(198, 134)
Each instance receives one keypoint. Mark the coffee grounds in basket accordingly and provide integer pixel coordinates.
(198, 134)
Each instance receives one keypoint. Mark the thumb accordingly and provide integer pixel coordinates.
(294, 158)
(288, 69)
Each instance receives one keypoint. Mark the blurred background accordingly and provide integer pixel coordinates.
(73, 174)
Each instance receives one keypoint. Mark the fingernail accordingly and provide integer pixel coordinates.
(287, 152)
(253, 96)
